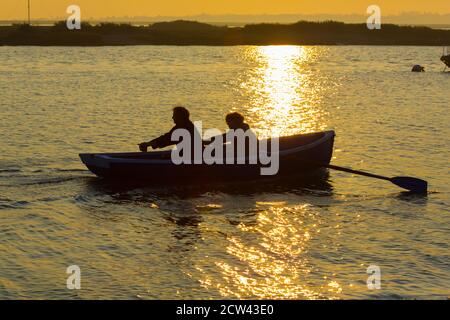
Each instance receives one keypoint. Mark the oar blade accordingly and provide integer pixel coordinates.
(412, 184)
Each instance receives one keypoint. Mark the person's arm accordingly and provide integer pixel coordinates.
(161, 142)
(164, 141)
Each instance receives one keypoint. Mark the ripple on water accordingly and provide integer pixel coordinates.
(13, 204)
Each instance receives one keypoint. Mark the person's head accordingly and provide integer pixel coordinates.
(234, 120)
(180, 115)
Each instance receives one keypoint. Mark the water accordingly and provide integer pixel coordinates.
(255, 241)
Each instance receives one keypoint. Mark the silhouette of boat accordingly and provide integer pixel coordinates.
(446, 60)
(299, 154)
(446, 57)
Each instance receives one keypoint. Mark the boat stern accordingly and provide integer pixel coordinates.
(96, 163)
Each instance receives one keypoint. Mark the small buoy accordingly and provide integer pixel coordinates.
(418, 68)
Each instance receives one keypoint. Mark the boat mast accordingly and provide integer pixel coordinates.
(29, 13)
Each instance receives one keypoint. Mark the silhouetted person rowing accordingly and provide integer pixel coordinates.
(181, 119)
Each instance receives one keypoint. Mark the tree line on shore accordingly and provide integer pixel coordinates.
(195, 33)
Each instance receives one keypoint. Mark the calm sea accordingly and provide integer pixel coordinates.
(254, 241)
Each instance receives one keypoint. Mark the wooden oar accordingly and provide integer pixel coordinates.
(412, 184)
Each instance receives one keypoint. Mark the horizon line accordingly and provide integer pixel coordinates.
(406, 14)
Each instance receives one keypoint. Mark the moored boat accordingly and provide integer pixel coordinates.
(446, 60)
(298, 154)
(446, 57)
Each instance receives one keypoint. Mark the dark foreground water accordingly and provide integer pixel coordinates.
(300, 240)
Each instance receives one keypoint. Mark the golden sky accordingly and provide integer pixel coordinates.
(17, 9)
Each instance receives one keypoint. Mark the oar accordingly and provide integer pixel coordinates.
(412, 184)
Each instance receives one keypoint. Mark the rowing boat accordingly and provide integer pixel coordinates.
(298, 154)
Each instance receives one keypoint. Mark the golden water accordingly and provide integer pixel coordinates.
(263, 241)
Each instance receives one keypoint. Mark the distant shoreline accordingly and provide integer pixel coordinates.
(188, 33)
(47, 23)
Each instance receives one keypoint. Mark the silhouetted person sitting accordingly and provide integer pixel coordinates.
(182, 121)
(235, 121)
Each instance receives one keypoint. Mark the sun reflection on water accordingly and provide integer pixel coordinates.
(283, 96)
(268, 259)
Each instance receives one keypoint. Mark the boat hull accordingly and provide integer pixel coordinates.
(301, 154)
